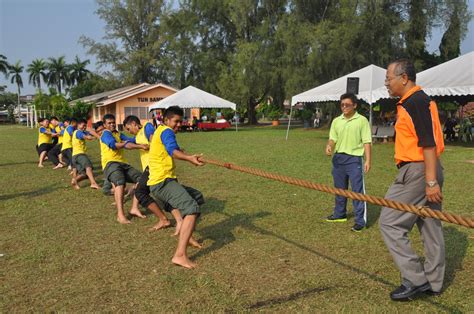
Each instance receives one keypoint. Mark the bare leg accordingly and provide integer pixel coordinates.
(135, 211)
(41, 159)
(90, 175)
(179, 220)
(180, 257)
(163, 220)
(118, 195)
(76, 179)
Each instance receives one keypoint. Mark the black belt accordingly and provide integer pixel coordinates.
(403, 163)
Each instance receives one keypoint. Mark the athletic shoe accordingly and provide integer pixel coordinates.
(357, 228)
(334, 219)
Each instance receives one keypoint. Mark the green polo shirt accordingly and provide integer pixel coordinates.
(350, 135)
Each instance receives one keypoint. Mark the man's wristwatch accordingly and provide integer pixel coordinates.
(431, 183)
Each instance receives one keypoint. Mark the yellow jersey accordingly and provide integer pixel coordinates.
(67, 138)
(78, 145)
(58, 132)
(142, 139)
(161, 164)
(110, 155)
(44, 138)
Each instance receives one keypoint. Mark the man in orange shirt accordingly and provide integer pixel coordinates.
(418, 146)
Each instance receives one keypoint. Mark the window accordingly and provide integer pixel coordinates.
(140, 112)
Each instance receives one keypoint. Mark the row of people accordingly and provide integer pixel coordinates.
(155, 187)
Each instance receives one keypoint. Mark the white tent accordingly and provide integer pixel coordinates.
(451, 78)
(370, 78)
(192, 97)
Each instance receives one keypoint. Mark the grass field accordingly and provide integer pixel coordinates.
(266, 244)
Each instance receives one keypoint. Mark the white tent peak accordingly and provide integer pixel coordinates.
(370, 77)
(192, 97)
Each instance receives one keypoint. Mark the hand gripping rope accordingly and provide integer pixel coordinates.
(422, 211)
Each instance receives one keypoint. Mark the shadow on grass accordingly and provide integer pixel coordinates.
(222, 235)
(456, 250)
(19, 163)
(288, 298)
(373, 213)
(44, 190)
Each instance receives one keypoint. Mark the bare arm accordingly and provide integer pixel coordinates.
(130, 145)
(368, 157)
(433, 194)
(194, 159)
(330, 147)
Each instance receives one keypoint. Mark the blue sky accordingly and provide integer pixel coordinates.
(31, 29)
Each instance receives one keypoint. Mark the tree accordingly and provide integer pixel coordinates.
(79, 72)
(37, 69)
(456, 16)
(133, 43)
(15, 72)
(58, 74)
(93, 85)
(4, 66)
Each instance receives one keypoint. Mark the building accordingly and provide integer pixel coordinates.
(125, 101)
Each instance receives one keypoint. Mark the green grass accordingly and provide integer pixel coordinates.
(266, 245)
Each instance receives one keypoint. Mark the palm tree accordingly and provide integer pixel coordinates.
(78, 70)
(4, 66)
(58, 72)
(16, 70)
(37, 72)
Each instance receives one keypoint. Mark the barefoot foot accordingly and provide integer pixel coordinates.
(74, 184)
(160, 225)
(123, 220)
(40, 166)
(183, 261)
(137, 213)
(95, 186)
(60, 165)
(194, 243)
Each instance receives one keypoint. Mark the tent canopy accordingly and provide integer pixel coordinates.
(192, 97)
(451, 78)
(370, 78)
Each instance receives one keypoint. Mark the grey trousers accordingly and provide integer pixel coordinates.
(409, 187)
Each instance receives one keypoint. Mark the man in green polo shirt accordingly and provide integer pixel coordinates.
(349, 139)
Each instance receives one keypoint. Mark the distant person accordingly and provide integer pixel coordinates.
(449, 129)
(418, 147)
(82, 164)
(45, 141)
(350, 139)
(66, 148)
(55, 152)
(164, 185)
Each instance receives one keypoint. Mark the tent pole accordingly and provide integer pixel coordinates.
(289, 121)
(370, 98)
(236, 121)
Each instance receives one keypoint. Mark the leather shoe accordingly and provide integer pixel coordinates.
(433, 293)
(404, 293)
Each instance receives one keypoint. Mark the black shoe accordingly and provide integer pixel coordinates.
(433, 293)
(338, 219)
(357, 228)
(403, 293)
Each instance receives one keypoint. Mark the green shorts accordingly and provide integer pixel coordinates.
(184, 198)
(81, 162)
(119, 173)
(107, 187)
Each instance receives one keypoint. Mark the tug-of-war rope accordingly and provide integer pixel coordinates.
(422, 211)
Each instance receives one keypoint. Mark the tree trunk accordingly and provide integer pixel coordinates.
(19, 106)
(251, 115)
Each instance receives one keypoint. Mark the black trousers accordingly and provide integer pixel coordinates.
(142, 192)
(53, 154)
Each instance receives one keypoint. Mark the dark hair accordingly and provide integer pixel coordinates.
(81, 121)
(41, 120)
(108, 116)
(66, 120)
(131, 119)
(73, 120)
(98, 124)
(405, 66)
(172, 111)
(350, 96)
(54, 118)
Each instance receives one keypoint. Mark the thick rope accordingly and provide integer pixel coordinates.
(422, 211)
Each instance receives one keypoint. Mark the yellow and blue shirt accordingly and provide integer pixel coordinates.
(108, 149)
(44, 137)
(161, 162)
(79, 142)
(143, 137)
(67, 137)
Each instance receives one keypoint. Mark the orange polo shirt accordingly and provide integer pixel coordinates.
(417, 126)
